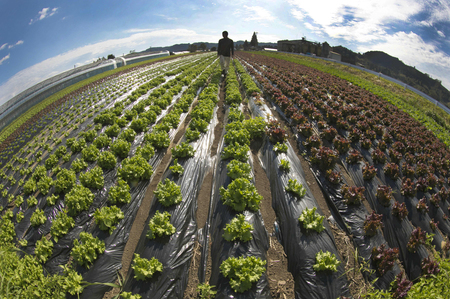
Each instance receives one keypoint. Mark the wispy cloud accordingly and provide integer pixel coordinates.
(439, 11)
(3, 46)
(357, 21)
(4, 58)
(44, 13)
(167, 17)
(16, 44)
(51, 66)
(441, 34)
(314, 29)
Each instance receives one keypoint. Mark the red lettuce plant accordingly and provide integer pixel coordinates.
(275, 132)
(399, 210)
(324, 157)
(418, 237)
(422, 185)
(353, 194)
(378, 156)
(313, 141)
(369, 172)
(378, 129)
(431, 180)
(333, 177)
(333, 116)
(372, 223)
(317, 116)
(352, 119)
(298, 118)
(353, 157)
(384, 258)
(382, 145)
(366, 143)
(435, 199)
(429, 267)
(395, 156)
(384, 195)
(391, 170)
(387, 138)
(400, 287)
(371, 135)
(408, 188)
(305, 129)
(341, 144)
(328, 133)
(433, 224)
(408, 171)
(444, 193)
(410, 158)
(399, 146)
(422, 205)
(421, 169)
(355, 135)
(342, 124)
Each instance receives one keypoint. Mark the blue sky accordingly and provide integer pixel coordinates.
(39, 39)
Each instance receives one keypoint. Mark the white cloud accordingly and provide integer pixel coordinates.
(313, 28)
(439, 10)
(4, 58)
(44, 13)
(297, 14)
(289, 26)
(255, 13)
(51, 66)
(425, 23)
(3, 46)
(355, 20)
(441, 34)
(412, 50)
(16, 44)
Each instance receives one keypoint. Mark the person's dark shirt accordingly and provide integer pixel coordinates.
(225, 46)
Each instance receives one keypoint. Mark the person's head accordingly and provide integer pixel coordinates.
(225, 34)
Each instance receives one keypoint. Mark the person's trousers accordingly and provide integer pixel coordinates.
(224, 62)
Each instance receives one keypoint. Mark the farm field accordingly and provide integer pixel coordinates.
(276, 181)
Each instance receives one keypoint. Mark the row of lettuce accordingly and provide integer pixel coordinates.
(55, 197)
(315, 109)
(428, 114)
(67, 92)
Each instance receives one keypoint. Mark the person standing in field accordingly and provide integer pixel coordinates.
(225, 51)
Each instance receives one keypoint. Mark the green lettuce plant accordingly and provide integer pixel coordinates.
(326, 261)
(311, 220)
(107, 217)
(120, 193)
(160, 225)
(295, 188)
(144, 268)
(92, 178)
(238, 229)
(241, 195)
(86, 250)
(61, 225)
(243, 272)
(168, 193)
